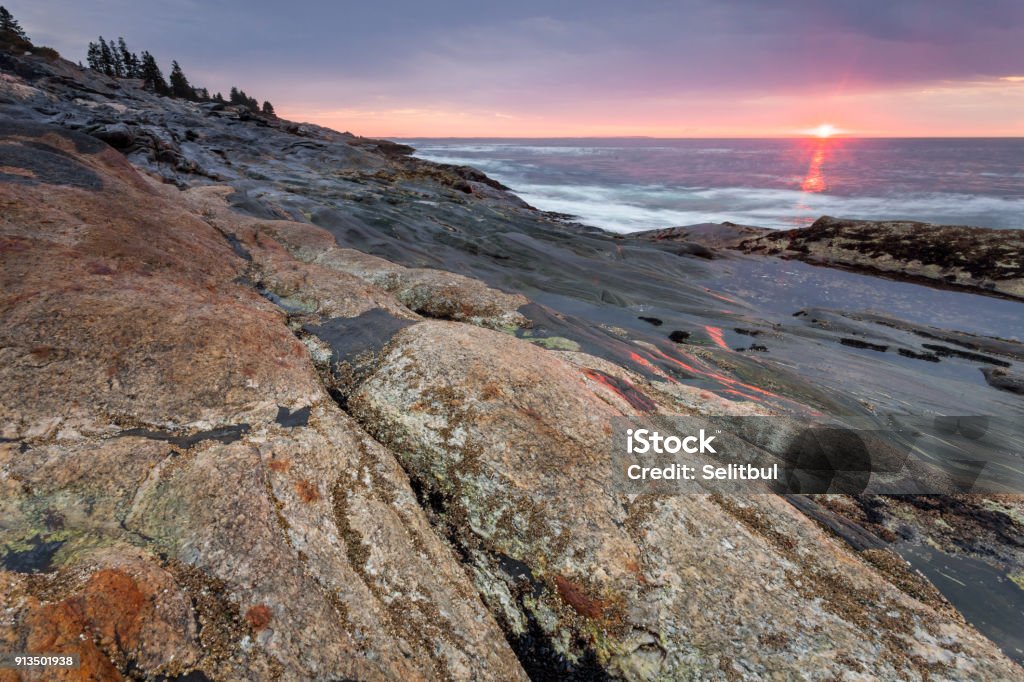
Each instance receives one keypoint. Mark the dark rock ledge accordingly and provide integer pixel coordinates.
(980, 259)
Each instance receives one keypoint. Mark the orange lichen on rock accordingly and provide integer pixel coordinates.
(110, 618)
(575, 596)
(258, 617)
(307, 491)
(279, 465)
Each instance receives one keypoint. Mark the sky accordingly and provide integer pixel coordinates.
(550, 68)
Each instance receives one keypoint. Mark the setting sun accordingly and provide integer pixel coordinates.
(825, 130)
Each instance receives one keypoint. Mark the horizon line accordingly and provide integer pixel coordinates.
(697, 137)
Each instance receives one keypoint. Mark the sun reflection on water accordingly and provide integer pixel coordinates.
(814, 180)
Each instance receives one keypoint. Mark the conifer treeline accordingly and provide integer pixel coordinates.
(117, 61)
(114, 59)
(13, 37)
(11, 31)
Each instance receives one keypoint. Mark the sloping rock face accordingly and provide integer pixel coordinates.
(180, 494)
(116, 302)
(508, 442)
(979, 259)
(236, 447)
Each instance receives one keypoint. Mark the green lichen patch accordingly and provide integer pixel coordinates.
(557, 343)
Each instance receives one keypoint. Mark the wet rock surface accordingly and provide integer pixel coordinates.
(606, 576)
(1007, 381)
(281, 402)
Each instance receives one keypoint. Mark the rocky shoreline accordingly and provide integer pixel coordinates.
(282, 402)
(982, 260)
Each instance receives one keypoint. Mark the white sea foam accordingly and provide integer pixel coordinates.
(632, 208)
(620, 204)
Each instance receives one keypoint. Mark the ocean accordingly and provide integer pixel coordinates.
(631, 184)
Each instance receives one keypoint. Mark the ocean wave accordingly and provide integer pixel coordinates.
(630, 207)
(633, 208)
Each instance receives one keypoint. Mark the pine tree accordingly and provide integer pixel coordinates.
(106, 58)
(179, 83)
(93, 57)
(239, 98)
(10, 29)
(116, 63)
(152, 76)
(219, 98)
(268, 109)
(129, 59)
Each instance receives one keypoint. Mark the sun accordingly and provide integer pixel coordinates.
(825, 130)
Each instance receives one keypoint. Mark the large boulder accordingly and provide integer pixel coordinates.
(511, 446)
